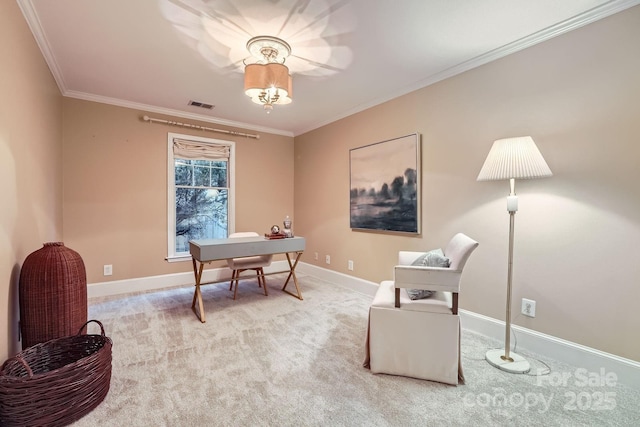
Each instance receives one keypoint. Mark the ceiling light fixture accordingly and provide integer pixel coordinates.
(267, 80)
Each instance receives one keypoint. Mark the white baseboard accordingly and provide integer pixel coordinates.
(151, 283)
(354, 283)
(627, 370)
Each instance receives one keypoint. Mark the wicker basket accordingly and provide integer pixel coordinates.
(56, 382)
(53, 294)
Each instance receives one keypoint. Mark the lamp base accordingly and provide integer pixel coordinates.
(516, 364)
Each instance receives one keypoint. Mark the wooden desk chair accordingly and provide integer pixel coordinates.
(256, 263)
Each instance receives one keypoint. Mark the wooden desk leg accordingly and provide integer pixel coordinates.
(197, 295)
(292, 273)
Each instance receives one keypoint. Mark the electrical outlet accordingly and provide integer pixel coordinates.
(315, 256)
(108, 270)
(327, 259)
(528, 307)
(350, 265)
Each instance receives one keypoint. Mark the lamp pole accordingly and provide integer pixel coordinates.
(512, 207)
(507, 361)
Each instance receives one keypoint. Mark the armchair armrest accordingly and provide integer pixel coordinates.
(428, 278)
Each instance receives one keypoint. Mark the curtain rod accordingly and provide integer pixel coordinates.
(187, 125)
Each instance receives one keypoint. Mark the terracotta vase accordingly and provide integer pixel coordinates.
(53, 294)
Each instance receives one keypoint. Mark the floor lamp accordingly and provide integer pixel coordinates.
(512, 158)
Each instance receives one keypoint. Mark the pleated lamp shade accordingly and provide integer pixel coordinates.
(517, 158)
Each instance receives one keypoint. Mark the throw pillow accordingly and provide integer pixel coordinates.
(434, 258)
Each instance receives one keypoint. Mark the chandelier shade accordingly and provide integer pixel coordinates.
(268, 84)
(267, 81)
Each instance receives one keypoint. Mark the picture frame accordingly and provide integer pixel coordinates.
(385, 186)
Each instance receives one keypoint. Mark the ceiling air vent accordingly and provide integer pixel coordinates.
(201, 105)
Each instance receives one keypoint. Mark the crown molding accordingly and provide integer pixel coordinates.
(588, 17)
(29, 12)
(30, 15)
(171, 112)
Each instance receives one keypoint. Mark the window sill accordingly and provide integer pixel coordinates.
(178, 258)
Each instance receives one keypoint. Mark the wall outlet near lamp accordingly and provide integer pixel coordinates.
(108, 270)
(350, 265)
(528, 307)
(327, 259)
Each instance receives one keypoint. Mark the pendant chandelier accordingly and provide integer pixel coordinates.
(267, 80)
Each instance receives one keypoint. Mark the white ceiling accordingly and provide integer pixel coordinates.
(347, 55)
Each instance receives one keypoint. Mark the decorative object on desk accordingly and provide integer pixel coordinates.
(275, 233)
(287, 227)
(512, 158)
(53, 294)
(275, 236)
(56, 382)
(385, 186)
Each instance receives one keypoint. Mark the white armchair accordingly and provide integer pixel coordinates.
(419, 338)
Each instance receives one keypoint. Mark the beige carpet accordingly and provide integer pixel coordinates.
(278, 361)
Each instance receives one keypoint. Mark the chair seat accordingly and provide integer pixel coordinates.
(249, 262)
(439, 302)
(414, 344)
(256, 263)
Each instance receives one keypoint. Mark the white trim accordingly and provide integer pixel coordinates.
(33, 21)
(595, 14)
(172, 256)
(627, 370)
(152, 283)
(570, 24)
(354, 283)
(172, 112)
(178, 258)
(31, 16)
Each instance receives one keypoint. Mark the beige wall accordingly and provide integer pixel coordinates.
(115, 187)
(30, 161)
(577, 232)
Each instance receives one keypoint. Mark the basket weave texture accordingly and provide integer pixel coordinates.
(53, 294)
(56, 382)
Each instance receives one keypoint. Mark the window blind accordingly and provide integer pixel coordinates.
(195, 150)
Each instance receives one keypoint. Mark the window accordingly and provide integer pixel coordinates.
(200, 180)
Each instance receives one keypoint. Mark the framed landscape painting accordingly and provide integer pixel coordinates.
(385, 186)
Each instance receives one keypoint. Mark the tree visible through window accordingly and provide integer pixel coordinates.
(201, 201)
(199, 193)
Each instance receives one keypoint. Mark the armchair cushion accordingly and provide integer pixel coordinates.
(433, 258)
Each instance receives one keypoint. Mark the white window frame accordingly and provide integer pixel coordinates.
(172, 256)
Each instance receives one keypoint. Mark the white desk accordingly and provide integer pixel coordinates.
(205, 251)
